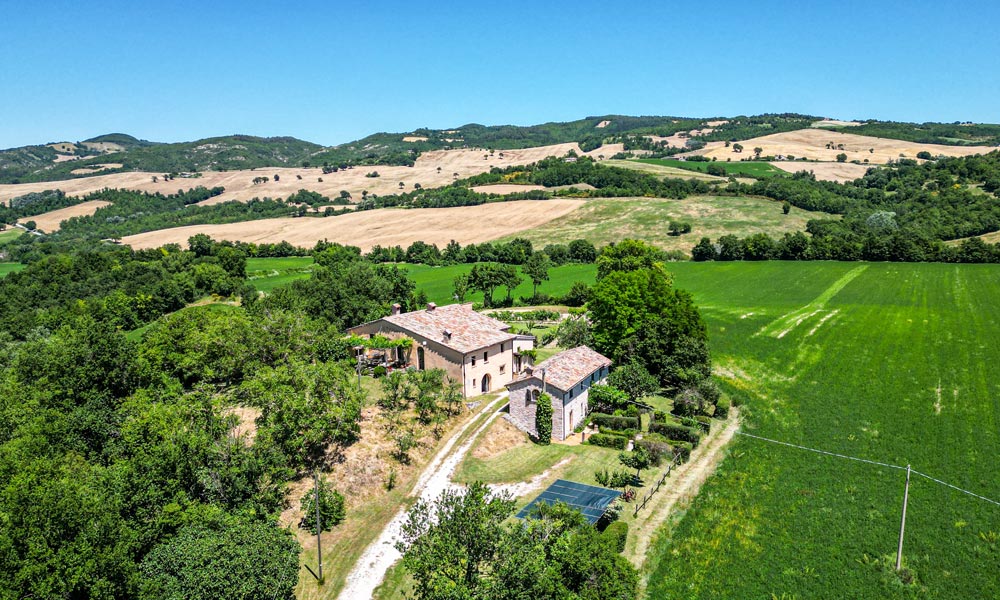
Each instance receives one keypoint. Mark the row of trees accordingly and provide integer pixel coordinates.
(895, 246)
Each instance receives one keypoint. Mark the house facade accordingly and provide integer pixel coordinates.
(567, 378)
(472, 348)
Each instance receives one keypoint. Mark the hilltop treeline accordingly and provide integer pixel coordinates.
(950, 134)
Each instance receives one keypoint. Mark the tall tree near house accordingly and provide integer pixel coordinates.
(537, 268)
(543, 419)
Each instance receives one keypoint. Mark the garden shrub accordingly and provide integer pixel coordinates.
(629, 433)
(677, 432)
(608, 441)
(657, 450)
(613, 422)
(617, 534)
(682, 448)
(722, 408)
(379, 371)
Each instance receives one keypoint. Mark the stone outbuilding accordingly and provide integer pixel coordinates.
(477, 350)
(567, 378)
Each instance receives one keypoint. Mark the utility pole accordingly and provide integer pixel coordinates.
(902, 523)
(319, 532)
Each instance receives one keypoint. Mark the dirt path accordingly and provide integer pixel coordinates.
(371, 568)
(682, 485)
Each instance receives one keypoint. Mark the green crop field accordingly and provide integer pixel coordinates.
(436, 282)
(10, 268)
(268, 273)
(751, 168)
(10, 234)
(603, 221)
(887, 362)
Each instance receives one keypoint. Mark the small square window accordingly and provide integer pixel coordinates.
(502, 369)
(473, 362)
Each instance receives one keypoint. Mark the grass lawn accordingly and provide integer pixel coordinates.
(9, 234)
(664, 171)
(268, 273)
(887, 362)
(436, 282)
(10, 268)
(603, 221)
(751, 168)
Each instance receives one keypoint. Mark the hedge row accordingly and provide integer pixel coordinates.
(613, 422)
(629, 433)
(677, 432)
(608, 441)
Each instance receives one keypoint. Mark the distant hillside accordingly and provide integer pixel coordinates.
(658, 135)
(951, 134)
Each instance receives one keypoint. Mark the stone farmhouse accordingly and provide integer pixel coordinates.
(567, 378)
(477, 350)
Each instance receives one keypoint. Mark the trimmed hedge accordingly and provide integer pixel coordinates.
(722, 408)
(629, 433)
(617, 534)
(682, 448)
(613, 422)
(657, 450)
(677, 432)
(704, 422)
(608, 441)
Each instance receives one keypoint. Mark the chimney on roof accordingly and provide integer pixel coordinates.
(447, 334)
(431, 306)
(396, 309)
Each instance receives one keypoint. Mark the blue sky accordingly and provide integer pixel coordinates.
(332, 71)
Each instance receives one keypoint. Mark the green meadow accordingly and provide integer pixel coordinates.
(9, 268)
(751, 168)
(887, 362)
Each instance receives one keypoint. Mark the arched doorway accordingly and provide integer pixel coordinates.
(486, 383)
(420, 358)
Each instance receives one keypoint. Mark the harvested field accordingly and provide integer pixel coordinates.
(829, 171)
(835, 123)
(50, 221)
(990, 238)
(414, 138)
(433, 169)
(386, 227)
(506, 188)
(95, 169)
(812, 144)
(603, 221)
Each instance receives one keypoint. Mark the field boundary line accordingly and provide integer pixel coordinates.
(871, 462)
(787, 322)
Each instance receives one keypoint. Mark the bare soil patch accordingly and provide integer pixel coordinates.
(385, 227)
(823, 145)
(246, 429)
(50, 221)
(63, 147)
(414, 138)
(603, 124)
(828, 171)
(505, 188)
(95, 169)
(501, 437)
(835, 123)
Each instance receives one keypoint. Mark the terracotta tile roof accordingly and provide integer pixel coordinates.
(469, 330)
(569, 367)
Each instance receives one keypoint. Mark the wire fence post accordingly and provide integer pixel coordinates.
(902, 523)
